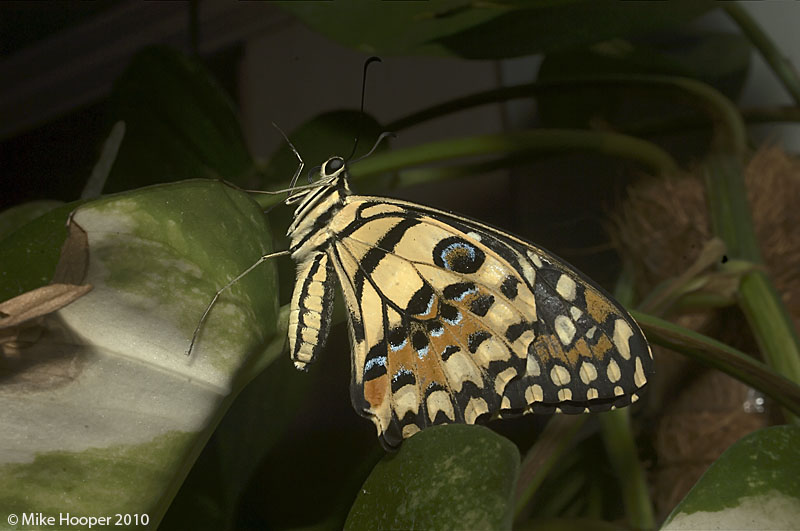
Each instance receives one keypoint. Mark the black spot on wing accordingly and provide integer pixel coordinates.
(375, 361)
(476, 338)
(515, 330)
(480, 306)
(458, 290)
(421, 301)
(458, 255)
(419, 340)
(434, 327)
(397, 336)
(509, 287)
(449, 313)
(403, 378)
(449, 351)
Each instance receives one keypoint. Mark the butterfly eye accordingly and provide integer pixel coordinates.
(332, 166)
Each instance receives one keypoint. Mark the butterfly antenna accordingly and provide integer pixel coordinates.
(293, 182)
(386, 134)
(368, 62)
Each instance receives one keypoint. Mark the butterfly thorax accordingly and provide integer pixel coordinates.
(316, 207)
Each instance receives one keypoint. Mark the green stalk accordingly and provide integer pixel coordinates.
(728, 206)
(763, 307)
(772, 55)
(520, 142)
(554, 441)
(620, 446)
(615, 428)
(669, 86)
(722, 357)
(731, 221)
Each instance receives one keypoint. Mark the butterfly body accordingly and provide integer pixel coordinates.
(452, 320)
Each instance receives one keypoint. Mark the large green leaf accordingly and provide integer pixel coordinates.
(755, 484)
(179, 124)
(391, 28)
(446, 477)
(486, 30)
(720, 59)
(535, 27)
(105, 412)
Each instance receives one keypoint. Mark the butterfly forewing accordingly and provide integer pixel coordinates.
(455, 321)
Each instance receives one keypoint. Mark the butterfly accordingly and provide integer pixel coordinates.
(451, 320)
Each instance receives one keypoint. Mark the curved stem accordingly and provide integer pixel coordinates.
(772, 55)
(508, 144)
(720, 356)
(727, 122)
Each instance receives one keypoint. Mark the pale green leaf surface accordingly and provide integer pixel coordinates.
(755, 484)
(105, 412)
(445, 477)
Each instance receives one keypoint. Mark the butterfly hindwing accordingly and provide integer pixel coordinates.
(454, 321)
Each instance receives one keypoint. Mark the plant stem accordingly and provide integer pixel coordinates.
(554, 441)
(615, 428)
(546, 141)
(720, 356)
(732, 222)
(772, 55)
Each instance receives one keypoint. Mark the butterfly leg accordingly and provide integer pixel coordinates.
(219, 292)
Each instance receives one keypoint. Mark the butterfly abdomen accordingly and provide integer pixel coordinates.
(310, 314)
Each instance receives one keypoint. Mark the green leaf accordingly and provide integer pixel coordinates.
(391, 28)
(179, 124)
(754, 484)
(445, 477)
(486, 30)
(104, 413)
(534, 27)
(719, 59)
(28, 256)
(15, 217)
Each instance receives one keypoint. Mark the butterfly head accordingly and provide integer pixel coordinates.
(332, 174)
(332, 168)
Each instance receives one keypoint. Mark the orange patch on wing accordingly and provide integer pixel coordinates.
(401, 359)
(428, 369)
(580, 350)
(603, 345)
(376, 391)
(598, 306)
(548, 347)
